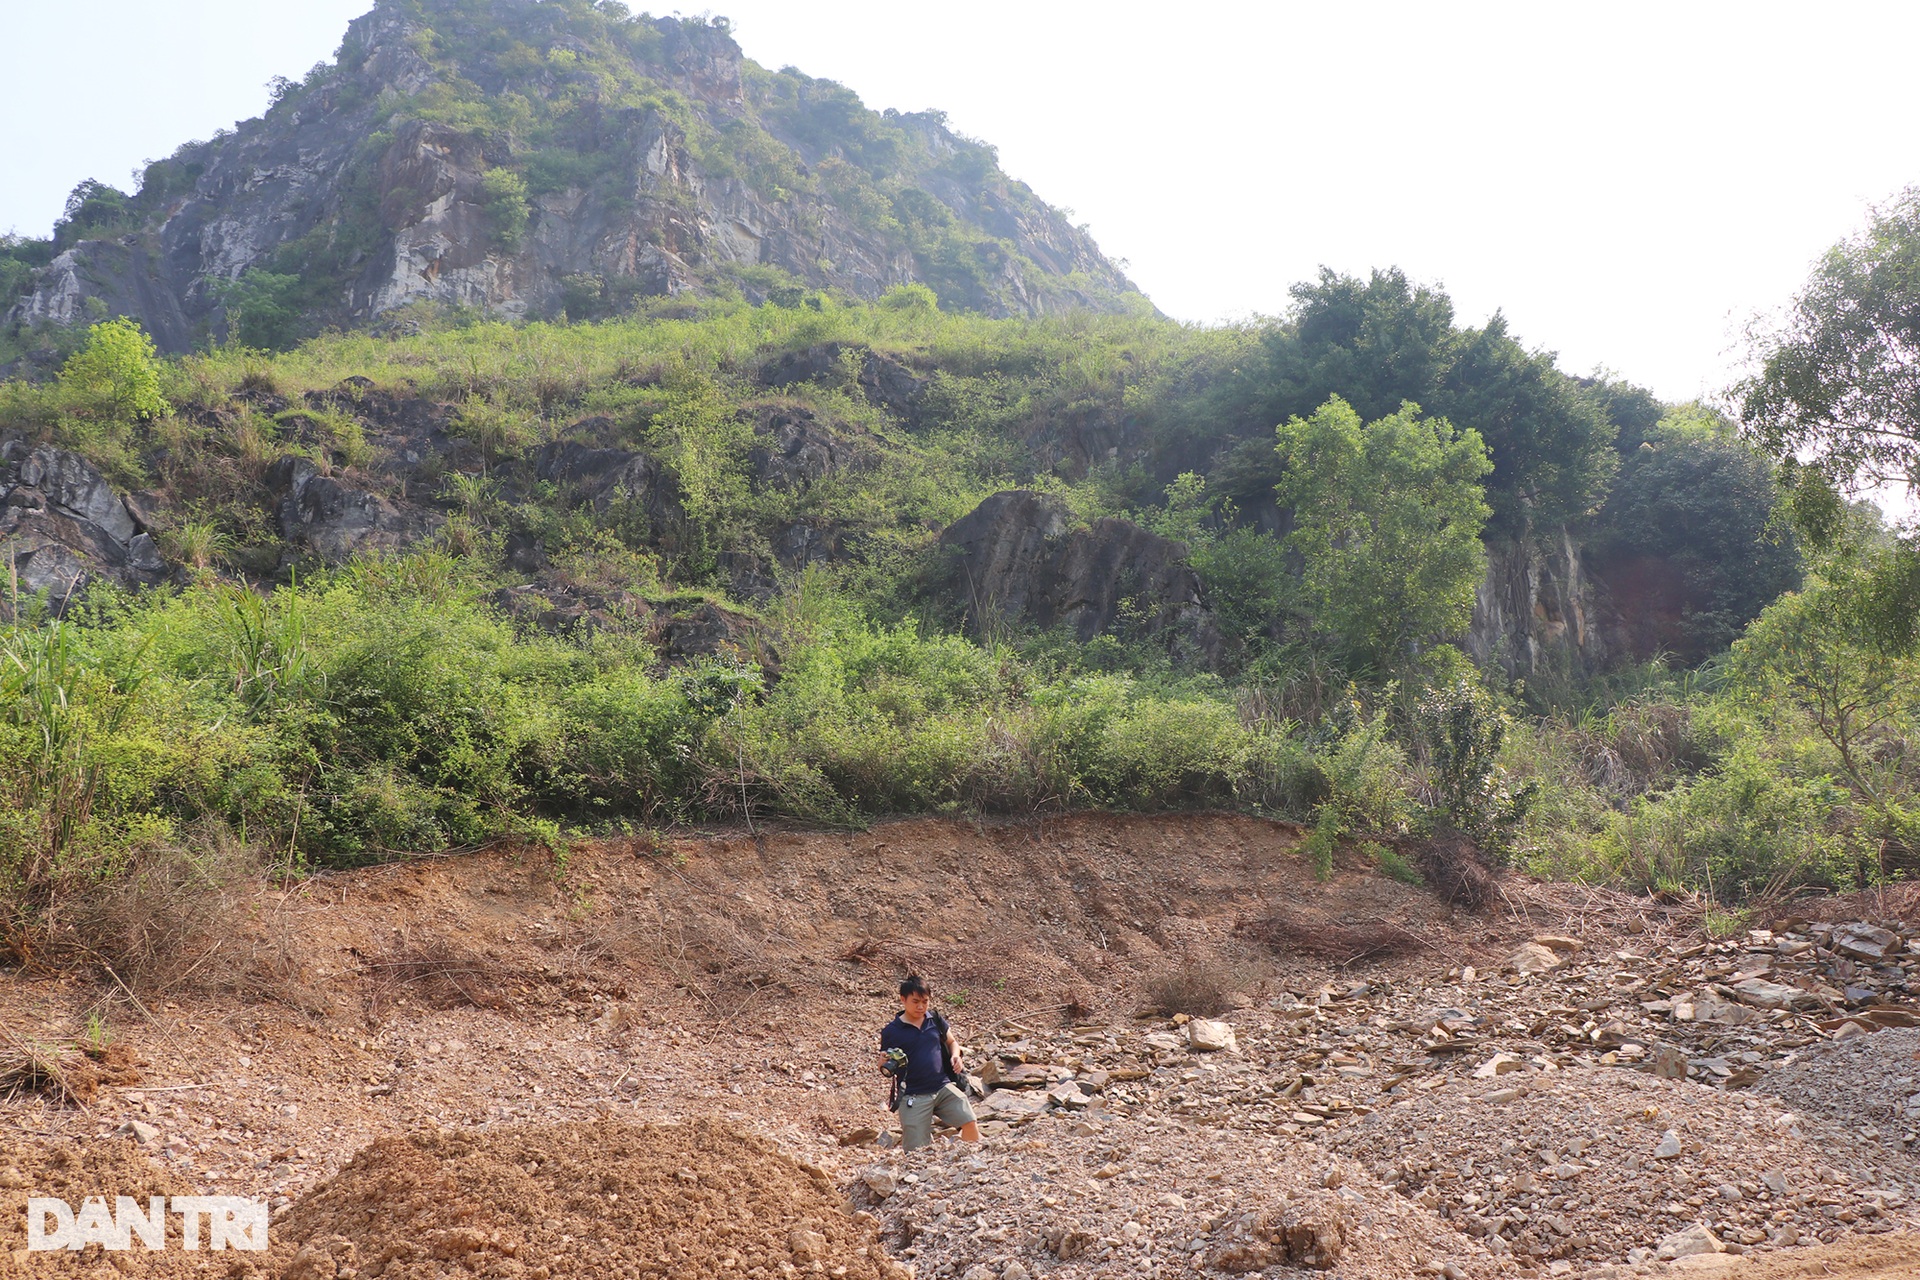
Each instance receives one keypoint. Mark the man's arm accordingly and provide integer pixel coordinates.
(953, 1052)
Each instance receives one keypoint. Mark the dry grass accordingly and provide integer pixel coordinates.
(1201, 989)
(439, 973)
(1452, 868)
(170, 920)
(64, 1076)
(1309, 933)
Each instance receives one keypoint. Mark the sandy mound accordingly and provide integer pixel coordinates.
(598, 1199)
(71, 1172)
(1589, 1165)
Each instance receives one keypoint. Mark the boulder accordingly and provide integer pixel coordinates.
(1533, 958)
(63, 527)
(793, 448)
(1208, 1036)
(1018, 559)
(1696, 1239)
(323, 517)
(882, 380)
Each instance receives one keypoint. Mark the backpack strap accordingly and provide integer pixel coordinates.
(946, 1051)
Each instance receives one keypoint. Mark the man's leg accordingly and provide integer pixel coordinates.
(956, 1111)
(916, 1120)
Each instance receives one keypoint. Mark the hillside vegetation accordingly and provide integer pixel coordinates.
(685, 662)
(938, 516)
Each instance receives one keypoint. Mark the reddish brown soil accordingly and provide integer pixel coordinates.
(449, 1019)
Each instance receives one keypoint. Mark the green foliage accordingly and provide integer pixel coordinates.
(1385, 341)
(1462, 731)
(263, 309)
(1835, 391)
(507, 207)
(1387, 520)
(94, 211)
(115, 376)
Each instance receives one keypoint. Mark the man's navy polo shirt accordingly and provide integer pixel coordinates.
(925, 1072)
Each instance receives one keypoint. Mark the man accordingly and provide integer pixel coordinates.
(929, 1086)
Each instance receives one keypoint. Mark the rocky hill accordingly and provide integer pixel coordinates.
(532, 158)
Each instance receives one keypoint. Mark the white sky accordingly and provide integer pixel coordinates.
(1628, 181)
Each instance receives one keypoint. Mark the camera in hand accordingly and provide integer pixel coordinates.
(896, 1063)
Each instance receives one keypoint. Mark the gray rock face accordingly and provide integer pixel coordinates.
(677, 212)
(1537, 610)
(323, 518)
(63, 527)
(795, 448)
(1016, 558)
(882, 380)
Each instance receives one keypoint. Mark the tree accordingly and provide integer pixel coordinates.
(1385, 341)
(1690, 542)
(263, 309)
(1387, 521)
(115, 373)
(507, 206)
(1817, 655)
(1837, 397)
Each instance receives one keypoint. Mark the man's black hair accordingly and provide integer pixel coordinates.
(913, 986)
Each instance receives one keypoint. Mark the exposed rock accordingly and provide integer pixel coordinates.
(1208, 1036)
(882, 380)
(63, 527)
(1696, 1239)
(320, 516)
(606, 477)
(794, 448)
(663, 223)
(1532, 958)
(1537, 608)
(1017, 559)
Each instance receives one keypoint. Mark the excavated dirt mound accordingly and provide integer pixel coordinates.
(72, 1172)
(1591, 1165)
(591, 1199)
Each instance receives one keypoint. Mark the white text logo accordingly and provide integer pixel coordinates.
(232, 1222)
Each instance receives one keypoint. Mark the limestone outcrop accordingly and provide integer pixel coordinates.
(1019, 558)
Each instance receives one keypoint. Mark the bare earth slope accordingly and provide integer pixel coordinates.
(580, 1067)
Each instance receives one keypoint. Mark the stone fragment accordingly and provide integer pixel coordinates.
(1498, 1065)
(1696, 1239)
(1762, 994)
(806, 1245)
(140, 1131)
(881, 1182)
(1209, 1036)
(1557, 941)
(1669, 1148)
(1864, 941)
(1532, 958)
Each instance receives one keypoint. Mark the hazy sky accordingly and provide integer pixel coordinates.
(1628, 182)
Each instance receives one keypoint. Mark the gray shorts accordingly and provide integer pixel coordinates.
(917, 1111)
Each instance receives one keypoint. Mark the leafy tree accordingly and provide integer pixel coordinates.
(263, 309)
(1385, 341)
(1691, 541)
(116, 372)
(1837, 398)
(1816, 655)
(508, 211)
(1387, 519)
(92, 206)
(1462, 730)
